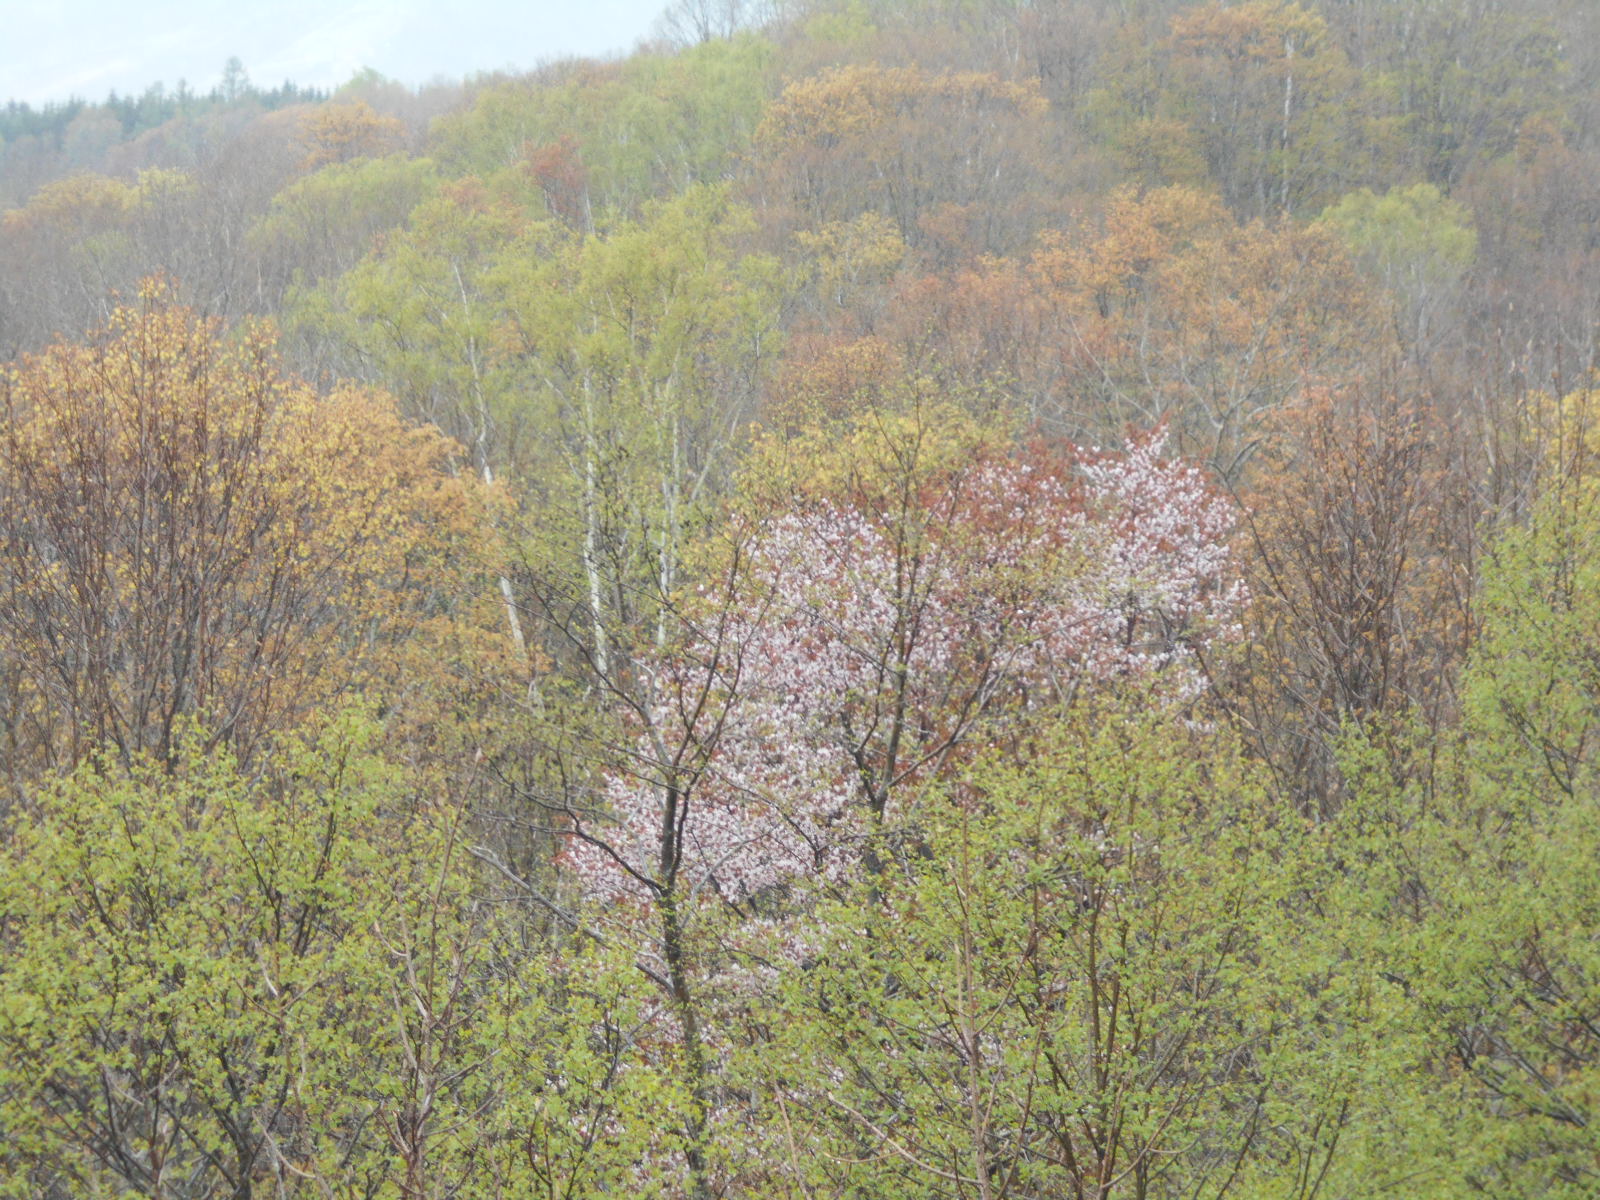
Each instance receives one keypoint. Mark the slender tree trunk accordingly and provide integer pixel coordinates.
(591, 532)
(693, 1048)
(1288, 112)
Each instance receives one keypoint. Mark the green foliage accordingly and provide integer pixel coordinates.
(606, 371)
(1483, 885)
(217, 980)
(593, 1103)
(649, 126)
(1079, 975)
(193, 974)
(415, 313)
(1459, 80)
(1415, 240)
(1534, 690)
(325, 222)
(1258, 96)
(638, 351)
(1411, 236)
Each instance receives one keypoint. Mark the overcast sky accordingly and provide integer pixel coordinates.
(53, 49)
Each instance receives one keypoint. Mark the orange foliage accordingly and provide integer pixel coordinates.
(1167, 311)
(185, 531)
(335, 133)
(558, 170)
(907, 143)
(826, 379)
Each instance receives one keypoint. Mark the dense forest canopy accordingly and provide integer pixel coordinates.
(946, 598)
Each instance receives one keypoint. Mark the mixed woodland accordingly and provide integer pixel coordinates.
(880, 599)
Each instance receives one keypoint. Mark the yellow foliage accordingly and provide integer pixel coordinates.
(163, 185)
(75, 205)
(868, 456)
(824, 380)
(848, 254)
(185, 530)
(1561, 442)
(1264, 34)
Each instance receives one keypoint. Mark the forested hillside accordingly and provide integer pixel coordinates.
(879, 600)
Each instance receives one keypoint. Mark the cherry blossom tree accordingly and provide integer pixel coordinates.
(853, 650)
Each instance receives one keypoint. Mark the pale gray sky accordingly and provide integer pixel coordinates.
(52, 49)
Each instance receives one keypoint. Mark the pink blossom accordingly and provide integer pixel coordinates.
(860, 651)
